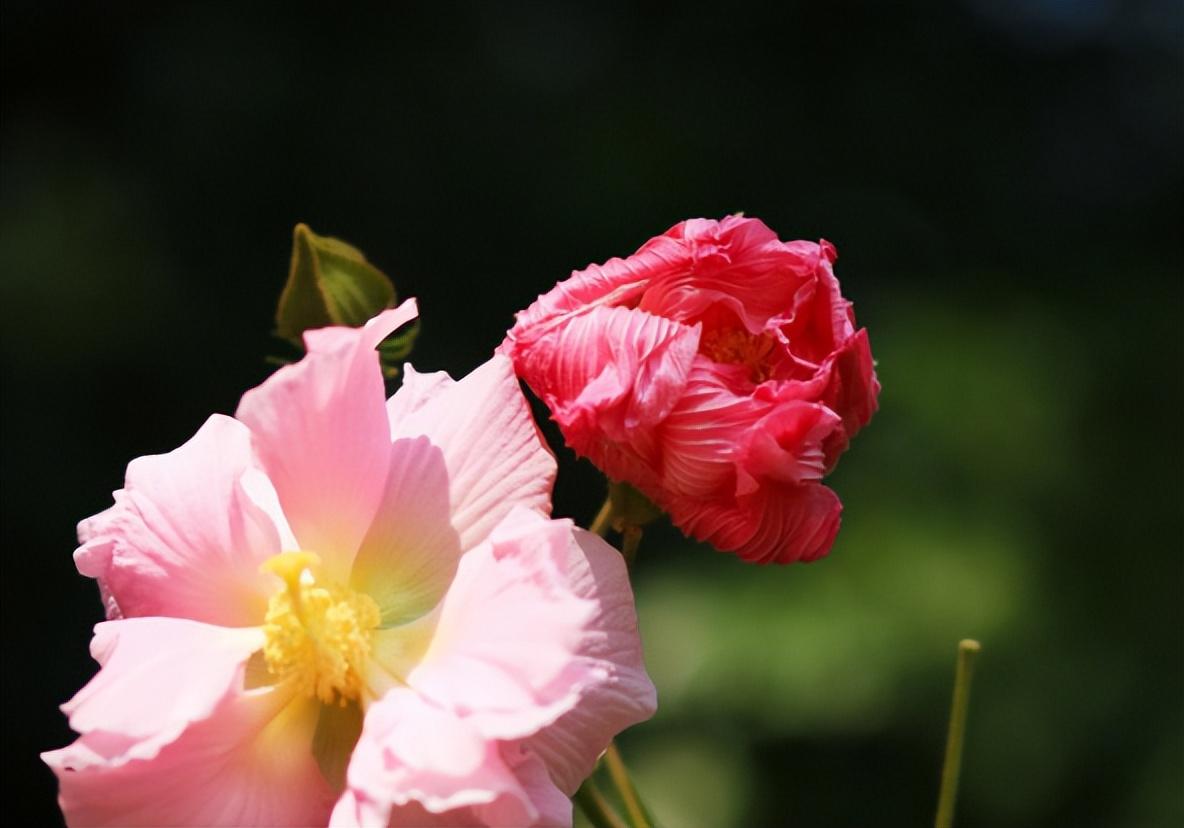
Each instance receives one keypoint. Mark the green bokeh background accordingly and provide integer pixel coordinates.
(1003, 182)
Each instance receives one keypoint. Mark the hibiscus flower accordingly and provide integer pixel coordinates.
(339, 609)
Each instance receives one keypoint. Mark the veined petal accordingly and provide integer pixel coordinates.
(616, 283)
(187, 533)
(737, 263)
(610, 371)
(320, 430)
(700, 437)
(492, 449)
(775, 524)
(170, 737)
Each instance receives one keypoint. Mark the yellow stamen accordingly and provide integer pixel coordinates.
(317, 633)
(737, 346)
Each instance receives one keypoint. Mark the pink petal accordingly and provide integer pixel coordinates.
(610, 372)
(700, 438)
(244, 765)
(169, 736)
(616, 283)
(491, 660)
(853, 389)
(320, 430)
(147, 661)
(492, 449)
(737, 263)
(776, 523)
(187, 533)
(430, 767)
(409, 555)
(787, 445)
(620, 692)
(416, 391)
(822, 320)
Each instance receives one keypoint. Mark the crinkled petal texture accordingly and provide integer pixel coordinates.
(534, 666)
(719, 370)
(506, 656)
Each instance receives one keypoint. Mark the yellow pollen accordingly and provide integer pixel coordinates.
(737, 346)
(317, 633)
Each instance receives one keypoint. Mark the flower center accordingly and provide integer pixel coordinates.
(737, 346)
(317, 634)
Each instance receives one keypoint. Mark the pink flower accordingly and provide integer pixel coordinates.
(339, 609)
(719, 371)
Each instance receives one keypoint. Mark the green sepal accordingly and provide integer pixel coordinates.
(630, 507)
(396, 348)
(329, 283)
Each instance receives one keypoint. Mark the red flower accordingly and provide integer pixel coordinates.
(718, 370)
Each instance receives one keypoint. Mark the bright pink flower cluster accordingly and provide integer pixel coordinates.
(717, 369)
(340, 609)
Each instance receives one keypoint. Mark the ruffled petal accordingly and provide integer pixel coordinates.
(611, 373)
(187, 533)
(170, 737)
(495, 457)
(852, 388)
(786, 446)
(616, 283)
(774, 524)
(490, 659)
(619, 693)
(416, 764)
(320, 430)
(737, 263)
(700, 438)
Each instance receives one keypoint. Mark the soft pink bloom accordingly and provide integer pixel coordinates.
(339, 609)
(718, 370)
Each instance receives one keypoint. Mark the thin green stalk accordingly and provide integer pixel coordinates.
(594, 805)
(952, 767)
(630, 540)
(638, 818)
(603, 521)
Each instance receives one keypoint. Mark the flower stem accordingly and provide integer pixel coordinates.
(638, 818)
(952, 767)
(603, 521)
(630, 540)
(594, 805)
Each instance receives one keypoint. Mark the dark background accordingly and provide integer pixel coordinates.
(1003, 182)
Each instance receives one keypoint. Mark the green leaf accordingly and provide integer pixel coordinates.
(329, 283)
